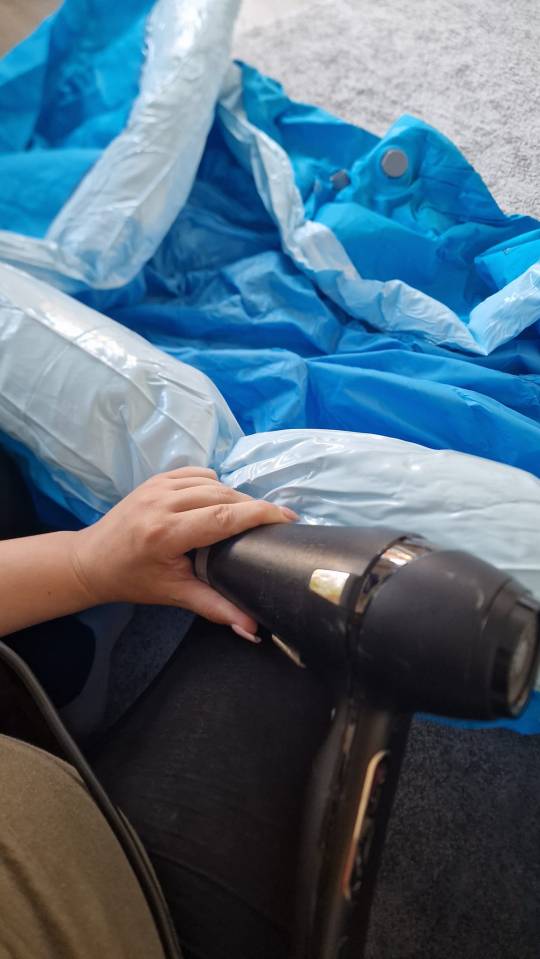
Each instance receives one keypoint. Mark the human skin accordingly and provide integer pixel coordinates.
(136, 553)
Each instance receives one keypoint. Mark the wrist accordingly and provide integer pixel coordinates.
(85, 565)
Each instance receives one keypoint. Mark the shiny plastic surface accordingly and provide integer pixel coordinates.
(98, 407)
(133, 189)
(462, 502)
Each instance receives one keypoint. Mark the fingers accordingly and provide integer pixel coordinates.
(189, 472)
(210, 524)
(181, 478)
(200, 496)
(188, 482)
(202, 599)
(192, 478)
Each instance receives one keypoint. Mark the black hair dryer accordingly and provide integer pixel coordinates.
(395, 625)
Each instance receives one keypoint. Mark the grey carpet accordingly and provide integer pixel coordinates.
(460, 877)
(461, 873)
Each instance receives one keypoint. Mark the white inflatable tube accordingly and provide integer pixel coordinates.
(98, 405)
(334, 477)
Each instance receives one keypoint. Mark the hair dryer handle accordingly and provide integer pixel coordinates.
(349, 801)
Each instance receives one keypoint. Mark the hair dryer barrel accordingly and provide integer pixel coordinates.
(437, 630)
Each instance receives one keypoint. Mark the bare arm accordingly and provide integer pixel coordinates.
(136, 553)
(38, 580)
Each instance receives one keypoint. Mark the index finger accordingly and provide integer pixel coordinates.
(211, 524)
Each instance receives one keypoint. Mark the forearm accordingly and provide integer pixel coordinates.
(138, 552)
(39, 581)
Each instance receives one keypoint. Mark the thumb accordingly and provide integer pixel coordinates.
(205, 601)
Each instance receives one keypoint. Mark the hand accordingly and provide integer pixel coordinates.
(136, 552)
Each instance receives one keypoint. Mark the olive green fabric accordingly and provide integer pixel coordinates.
(66, 889)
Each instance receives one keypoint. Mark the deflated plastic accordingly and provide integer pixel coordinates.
(264, 243)
(390, 305)
(99, 407)
(120, 201)
(121, 210)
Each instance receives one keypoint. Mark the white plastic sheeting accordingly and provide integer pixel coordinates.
(456, 500)
(97, 404)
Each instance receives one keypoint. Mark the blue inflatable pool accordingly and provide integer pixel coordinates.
(321, 277)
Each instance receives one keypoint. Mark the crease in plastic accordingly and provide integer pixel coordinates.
(122, 209)
(118, 215)
(96, 403)
(391, 305)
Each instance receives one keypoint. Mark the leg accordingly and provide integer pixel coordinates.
(65, 885)
(211, 767)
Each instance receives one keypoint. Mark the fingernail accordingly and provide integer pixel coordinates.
(289, 513)
(240, 631)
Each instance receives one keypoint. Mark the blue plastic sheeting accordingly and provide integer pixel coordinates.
(221, 294)
(62, 100)
(113, 221)
(425, 228)
(265, 243)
